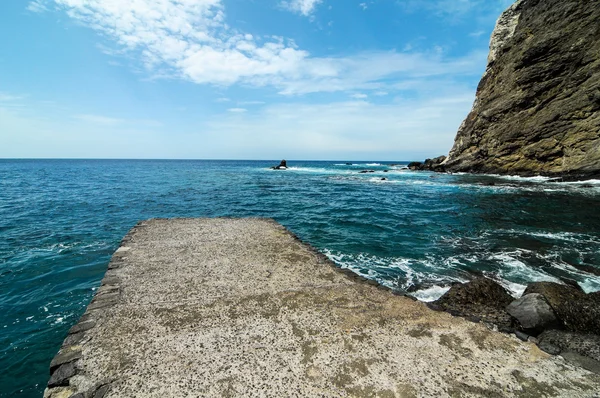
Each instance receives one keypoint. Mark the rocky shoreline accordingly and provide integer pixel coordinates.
(560, 319)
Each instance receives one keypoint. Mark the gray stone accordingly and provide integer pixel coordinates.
(577, 311)
(533, 312)
(522, 336)
(82, 327)
(549, 348)
(66, 355)
(585, 362)
(587, 345)
(101, 391)
(62, 374)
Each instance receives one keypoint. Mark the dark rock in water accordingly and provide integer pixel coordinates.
(385, 171)
(348, 164)
(415, 166)
(533, 313)
(482, 298)
(578, 312)
(435, 164)
(537, 105)
(584, 344)
(282, 166)
(366, 171)
(384, 179)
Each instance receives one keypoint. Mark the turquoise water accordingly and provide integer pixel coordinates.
(60, 221)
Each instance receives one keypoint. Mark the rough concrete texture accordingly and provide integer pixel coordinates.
(241, 308)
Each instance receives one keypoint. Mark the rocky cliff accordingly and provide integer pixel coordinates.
(537, 109)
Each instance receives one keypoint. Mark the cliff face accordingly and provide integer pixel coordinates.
(537, 109)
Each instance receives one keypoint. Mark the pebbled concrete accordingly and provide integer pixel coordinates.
(242, 308)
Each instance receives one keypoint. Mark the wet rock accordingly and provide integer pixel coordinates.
(366, 171)
(533, 313)
(282, 166)
(584, 344)
(482, 298)
(578, 312)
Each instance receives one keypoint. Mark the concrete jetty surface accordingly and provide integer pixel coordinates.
(241, 308)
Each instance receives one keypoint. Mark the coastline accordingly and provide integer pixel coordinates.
(289, 311)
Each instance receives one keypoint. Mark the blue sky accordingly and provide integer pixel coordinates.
(239, 79)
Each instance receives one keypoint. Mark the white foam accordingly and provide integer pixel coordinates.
(590, 285)
(431, 293)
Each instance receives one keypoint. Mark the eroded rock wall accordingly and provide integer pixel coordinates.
(537, 109)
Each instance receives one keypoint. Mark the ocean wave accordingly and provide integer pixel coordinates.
(431, 293)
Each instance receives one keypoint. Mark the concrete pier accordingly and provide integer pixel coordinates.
(241, 308)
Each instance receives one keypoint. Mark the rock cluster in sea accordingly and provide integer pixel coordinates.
(537, 109)
(561, 319)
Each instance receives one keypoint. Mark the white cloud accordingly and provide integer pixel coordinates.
(97, 119)
(237, 110)
(364, 6)
(457, 9)
(304, 7)
(36, 6)
(251, 102)
(190, 40)
(359, 96)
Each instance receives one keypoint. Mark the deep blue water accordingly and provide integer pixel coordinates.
(60, 221)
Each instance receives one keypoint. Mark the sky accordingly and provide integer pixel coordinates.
(239, 79)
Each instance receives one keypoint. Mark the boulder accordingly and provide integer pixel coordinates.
(435, 164)
(587, 345)
(533, 313)
(481, 298)
(415, 166)
(577, 311)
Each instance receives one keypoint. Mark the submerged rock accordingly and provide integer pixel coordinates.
(538, 103)
(482, 298)
(578, 312)
(533, 313)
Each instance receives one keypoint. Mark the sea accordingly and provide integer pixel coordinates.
(418, 232)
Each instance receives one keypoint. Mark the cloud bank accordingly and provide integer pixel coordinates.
(191, 40)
